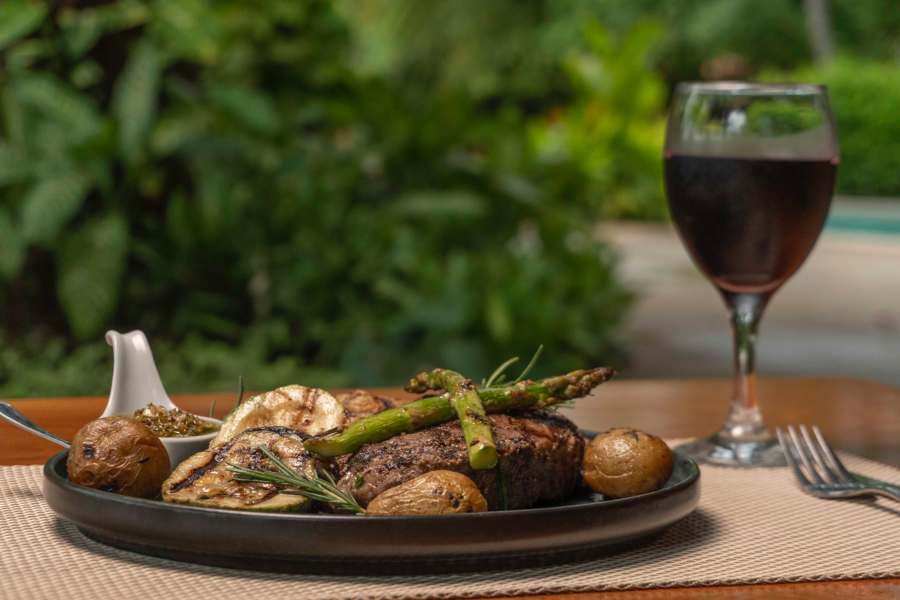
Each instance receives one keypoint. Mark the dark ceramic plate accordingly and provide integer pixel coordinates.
(584, 527)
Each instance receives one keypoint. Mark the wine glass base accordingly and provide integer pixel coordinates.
(729, 452)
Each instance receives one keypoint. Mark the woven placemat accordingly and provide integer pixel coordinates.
(752, 526)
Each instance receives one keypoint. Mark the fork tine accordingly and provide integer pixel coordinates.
(823, 466)
(785, 447)
(843, 474)
(803, 456)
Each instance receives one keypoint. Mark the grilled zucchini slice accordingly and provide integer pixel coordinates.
(204, 479)
(309, 410)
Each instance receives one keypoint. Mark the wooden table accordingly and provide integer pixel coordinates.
(859, 416)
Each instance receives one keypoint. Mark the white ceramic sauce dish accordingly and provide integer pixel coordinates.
(136, 384)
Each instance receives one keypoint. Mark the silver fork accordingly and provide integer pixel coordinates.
(18, 419)
(829, 479)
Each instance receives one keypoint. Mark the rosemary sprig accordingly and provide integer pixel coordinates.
(495, 376)
(240, 397)
(314, 488)
(530, 366)
(498, 379)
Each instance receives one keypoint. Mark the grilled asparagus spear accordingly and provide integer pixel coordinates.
(381, 426)
(433, 411)
(467, 405)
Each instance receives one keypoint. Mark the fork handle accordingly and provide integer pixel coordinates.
(887, 491)
(880, 487)
(16, 418)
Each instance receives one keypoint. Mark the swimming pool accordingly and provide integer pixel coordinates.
(865, 216)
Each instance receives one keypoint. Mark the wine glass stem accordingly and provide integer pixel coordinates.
(744, 419)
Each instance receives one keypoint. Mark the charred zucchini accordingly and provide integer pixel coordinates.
(204, 479)
(308, 410)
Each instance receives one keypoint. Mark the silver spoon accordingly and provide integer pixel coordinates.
(16, 418)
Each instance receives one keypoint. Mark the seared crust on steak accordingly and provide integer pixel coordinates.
(540, 458)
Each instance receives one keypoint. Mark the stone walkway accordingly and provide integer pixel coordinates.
(839, 315)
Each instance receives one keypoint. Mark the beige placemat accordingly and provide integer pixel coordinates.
(752, 526)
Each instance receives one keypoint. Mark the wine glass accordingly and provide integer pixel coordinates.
(750, 172)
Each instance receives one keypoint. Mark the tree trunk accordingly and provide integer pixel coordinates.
(818, 26)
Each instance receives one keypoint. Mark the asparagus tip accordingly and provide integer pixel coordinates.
(483, 456)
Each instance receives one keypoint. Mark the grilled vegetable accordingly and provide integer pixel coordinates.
(625, 462)
(381, 426)
(204, 479)
(308, 410)
(433, 411)
(463, 397)
(434, 493)
(324, 489)
(546, 392)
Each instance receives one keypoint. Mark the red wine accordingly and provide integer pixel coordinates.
(749, 223)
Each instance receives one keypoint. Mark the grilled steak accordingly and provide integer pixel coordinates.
(540, 459)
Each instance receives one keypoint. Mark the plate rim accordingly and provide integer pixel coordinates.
(50, 475)
(389, 545)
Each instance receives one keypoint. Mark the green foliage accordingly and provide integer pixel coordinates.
(235, 178)
(607, 143)
(761, 31)
(12, 248)
(46, 368)
(867, 28)
(18, 18)
(134, 97)
(768, 39)
(502, 48)
(91, 266)
(865, 95)
(764, 33)
(50, 203)
(774, 118)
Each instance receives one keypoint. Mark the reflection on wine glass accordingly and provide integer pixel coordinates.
(750, 172)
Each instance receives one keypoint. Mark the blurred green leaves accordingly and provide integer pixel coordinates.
(778, 118)
(83, 28)
(91, 266)
(605, 146)
(135, 96)
(248, 106)
(12, 248)
(768, 40)
(238, 179)
(50, 203)
(864, 95)
(18, 18)
(60, 106)
(436, 207)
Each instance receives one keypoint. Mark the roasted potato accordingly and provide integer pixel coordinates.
(625, 462)
(434, 493)
(119, 455)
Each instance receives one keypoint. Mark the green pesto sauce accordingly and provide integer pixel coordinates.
(166, 422)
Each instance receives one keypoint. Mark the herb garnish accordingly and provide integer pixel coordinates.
(314, 488)
(498, 379)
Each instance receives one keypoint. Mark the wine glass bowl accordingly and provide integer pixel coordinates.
(750, 171)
